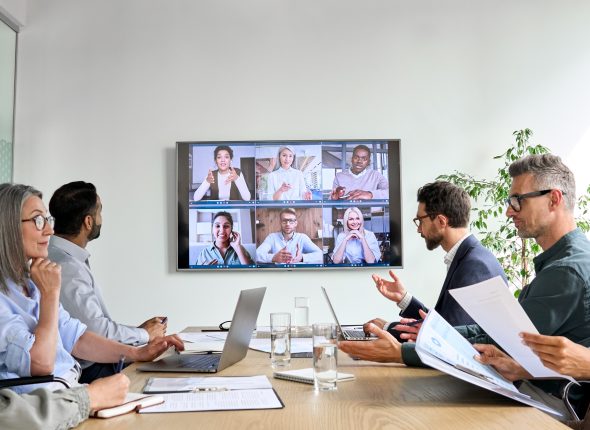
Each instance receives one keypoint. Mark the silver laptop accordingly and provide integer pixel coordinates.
(236, 344)
(351, 333)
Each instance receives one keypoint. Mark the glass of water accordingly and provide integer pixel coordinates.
(280, 339)
(301, 315)
(325, 361)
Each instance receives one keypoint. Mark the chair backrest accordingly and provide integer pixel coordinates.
(28, 380)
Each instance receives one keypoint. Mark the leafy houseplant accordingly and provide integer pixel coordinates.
(496, 231)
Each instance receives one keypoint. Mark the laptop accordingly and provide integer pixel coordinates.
(236, 344)
(352, 333)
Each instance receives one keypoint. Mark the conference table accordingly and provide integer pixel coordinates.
(383, 396)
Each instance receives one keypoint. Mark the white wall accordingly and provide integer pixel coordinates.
(106, 87)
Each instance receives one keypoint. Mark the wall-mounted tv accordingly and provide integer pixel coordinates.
(289, 204)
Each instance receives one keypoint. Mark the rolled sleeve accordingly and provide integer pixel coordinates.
(19, 342)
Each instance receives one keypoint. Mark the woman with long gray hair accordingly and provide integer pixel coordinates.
(37, 336)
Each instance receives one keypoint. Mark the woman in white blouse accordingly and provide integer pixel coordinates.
(225, 182)
(356, 244)
(286, 182)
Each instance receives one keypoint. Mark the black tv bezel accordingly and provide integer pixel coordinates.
(395, 216)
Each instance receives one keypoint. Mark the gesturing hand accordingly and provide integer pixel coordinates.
(210, 177)
(393, 290)
(283, 256)
(298, 255)
(233, 175)
(47, 276)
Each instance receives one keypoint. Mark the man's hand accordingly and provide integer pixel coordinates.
(410, 332)
(337, 193)
(384, 350)
(298, 255)
(560, 354)
(108, 392)
(360, 195)
(506, 366)
(379, 322)
(154, 327)
(282, 257)
(157, 346)
(392, 290)
(47, 277)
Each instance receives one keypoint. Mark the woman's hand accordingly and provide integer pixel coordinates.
(233, 175)
(210, 178)
(47, 276)
(235, 240)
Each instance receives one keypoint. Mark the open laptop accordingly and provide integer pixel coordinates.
(352, 333)
(236, 344)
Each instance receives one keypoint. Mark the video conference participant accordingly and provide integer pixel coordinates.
(360, 182)
(286, 182)
(77, 209)
(287, 246)
(226, 182)
(356, 244)
(43, 409)
(37, 336)
(541, 204)
(227, 246)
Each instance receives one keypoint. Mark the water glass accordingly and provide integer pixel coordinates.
(325, 359)
(301, 315)
(280, 339)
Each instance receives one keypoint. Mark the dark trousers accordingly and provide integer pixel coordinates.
(97, 370)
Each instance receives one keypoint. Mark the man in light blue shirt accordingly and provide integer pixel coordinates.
(287, 246)
(77, 210)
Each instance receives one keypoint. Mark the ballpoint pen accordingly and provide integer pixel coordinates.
(120, 364)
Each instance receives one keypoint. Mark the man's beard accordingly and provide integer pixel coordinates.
(95, 232)
(433, 242)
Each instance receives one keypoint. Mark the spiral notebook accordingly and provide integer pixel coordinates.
(305, 376)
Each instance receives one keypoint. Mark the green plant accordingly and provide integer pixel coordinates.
(496, 231)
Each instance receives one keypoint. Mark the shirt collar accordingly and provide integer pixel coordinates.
(450, 256)
(70, 248)
(363, 173)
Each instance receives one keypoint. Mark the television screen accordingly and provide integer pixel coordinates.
(288, 204)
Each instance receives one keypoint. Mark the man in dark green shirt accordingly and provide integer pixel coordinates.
(541, 204)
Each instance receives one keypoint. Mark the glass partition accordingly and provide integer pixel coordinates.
(7, 77)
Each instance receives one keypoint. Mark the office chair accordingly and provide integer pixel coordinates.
(29, 380)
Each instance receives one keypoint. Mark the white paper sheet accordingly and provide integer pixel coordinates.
(493, 307)
(206, 383)
(440, 346)
(217, 401)
(298, 344)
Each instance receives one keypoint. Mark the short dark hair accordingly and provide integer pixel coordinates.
(70, 204)
(444, 198)
(365, 147)
(224, 214)
(223, 148)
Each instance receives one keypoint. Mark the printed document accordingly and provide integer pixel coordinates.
(493, 307)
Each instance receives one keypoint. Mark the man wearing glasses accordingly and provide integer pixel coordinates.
(287, 246)
(442, 220)
(360, 182)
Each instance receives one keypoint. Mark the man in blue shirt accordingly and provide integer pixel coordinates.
(287, 246)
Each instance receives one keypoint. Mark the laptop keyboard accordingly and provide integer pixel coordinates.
(201, 361)
(355, 334)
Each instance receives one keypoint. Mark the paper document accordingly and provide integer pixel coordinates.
(205, 383)
(493, 307)
(440, 346)
(217, 401)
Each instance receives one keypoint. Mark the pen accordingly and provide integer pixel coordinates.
(164, 320)
(199, 389)
(120, 364)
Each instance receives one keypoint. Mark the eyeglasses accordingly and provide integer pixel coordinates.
(40, 221)
(418, 219)
(288, 221)
(515, 200)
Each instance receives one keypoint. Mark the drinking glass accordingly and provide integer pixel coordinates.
(280, 339)
(325, 359)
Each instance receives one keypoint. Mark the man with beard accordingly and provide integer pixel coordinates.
(287, 246)
(442, 220)
(77, 209)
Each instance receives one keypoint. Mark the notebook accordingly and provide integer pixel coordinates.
(352, 333)
(306, 375)
(236, 344)
(133, 403)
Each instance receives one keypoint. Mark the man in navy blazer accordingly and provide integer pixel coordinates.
(442, 220)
